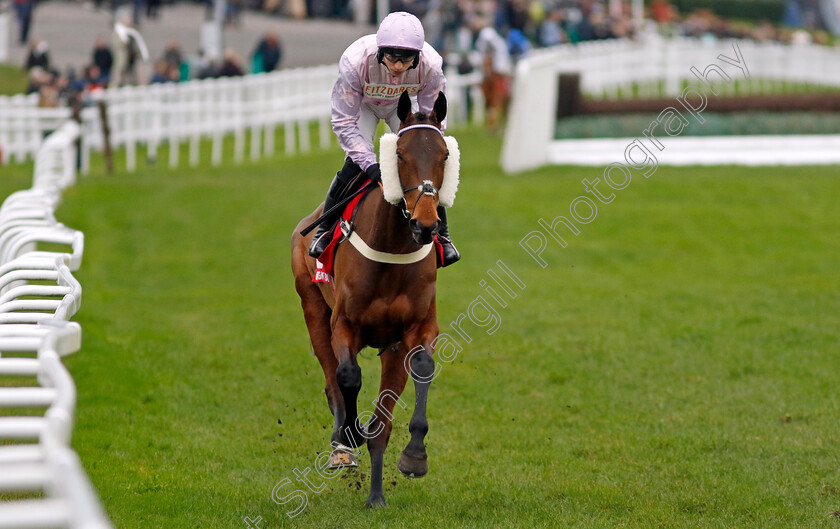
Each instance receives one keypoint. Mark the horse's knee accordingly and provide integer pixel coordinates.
(422, 365)
(348, 375)
(378, 433)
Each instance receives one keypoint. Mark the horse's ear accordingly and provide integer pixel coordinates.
(440, 107)
(404, 106)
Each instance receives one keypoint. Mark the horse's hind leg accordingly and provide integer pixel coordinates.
(392, 383)
(317, 315)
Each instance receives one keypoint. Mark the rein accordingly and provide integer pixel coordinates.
(348, 229)
(338, 206)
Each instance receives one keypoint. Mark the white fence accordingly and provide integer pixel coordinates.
(38, 296)
(251, 108)
(657, 68)
(5, 36)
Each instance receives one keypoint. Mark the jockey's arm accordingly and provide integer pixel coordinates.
(429, 92)
(346, 107)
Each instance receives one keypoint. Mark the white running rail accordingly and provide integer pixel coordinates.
(38, 296)
(143, 118)
(659, 68)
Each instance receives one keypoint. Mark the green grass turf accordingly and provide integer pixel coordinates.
(675, 366)
(12, 80)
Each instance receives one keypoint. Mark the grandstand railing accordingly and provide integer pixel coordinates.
(251, 108)
(38, 296)
(653, 67)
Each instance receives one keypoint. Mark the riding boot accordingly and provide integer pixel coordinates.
(322, 238)
(450, 253)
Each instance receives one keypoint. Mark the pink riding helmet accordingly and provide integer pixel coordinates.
(400, 30)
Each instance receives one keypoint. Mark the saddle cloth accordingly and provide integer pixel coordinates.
(324, 264)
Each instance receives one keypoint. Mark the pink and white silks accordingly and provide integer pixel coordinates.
(366, 92)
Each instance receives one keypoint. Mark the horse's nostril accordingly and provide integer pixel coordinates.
(413, 225)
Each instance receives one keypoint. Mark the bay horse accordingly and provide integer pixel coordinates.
(495, 87)
(383, 292)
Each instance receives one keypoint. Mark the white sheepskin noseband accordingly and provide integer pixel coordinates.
(392, 188)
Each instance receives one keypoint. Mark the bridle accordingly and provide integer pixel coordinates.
(427, 187)
(391, 186)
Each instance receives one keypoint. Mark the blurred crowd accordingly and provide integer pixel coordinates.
(453, 25)
(113, 62)
(485, 35)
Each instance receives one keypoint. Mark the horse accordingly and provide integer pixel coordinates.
(495, 87)
(382, 294)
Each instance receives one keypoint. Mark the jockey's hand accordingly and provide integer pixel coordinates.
(374, 173)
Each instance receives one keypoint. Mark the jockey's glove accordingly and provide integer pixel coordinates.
(374, 173)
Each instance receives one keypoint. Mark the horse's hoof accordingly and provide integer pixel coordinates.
(375, 501)
(342, 459)
(413, 466)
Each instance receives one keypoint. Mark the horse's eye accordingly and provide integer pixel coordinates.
(399, 156)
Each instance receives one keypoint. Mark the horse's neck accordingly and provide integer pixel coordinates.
(383, 226)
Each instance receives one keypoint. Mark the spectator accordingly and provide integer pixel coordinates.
(173, 57)
(573, 18)
(24, 9)
(139, 7)
(152, 8)
(231, 64)
(48, 95)
(465, 67)
(37, 77)
(66, 89)
(233, 12)
(268, 54)
(662, 11)
(163, 73)
(518, 44)
(102, 57)
(551, 30)
(793, 14)
(172, 54)
(128, 44)
(38, 55)
(452, 19)
(513, 14)
(92, 78)
(586, 28)
(201, 67)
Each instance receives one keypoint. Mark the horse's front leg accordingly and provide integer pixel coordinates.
(348, 376)
(391, 386)
(413, 461)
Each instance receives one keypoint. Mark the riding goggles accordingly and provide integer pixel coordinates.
(399, 55)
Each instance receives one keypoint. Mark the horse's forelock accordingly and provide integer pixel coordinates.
(419, 117)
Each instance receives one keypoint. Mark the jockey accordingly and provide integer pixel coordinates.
(372, 74)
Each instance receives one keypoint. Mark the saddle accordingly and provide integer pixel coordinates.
(342, 230)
